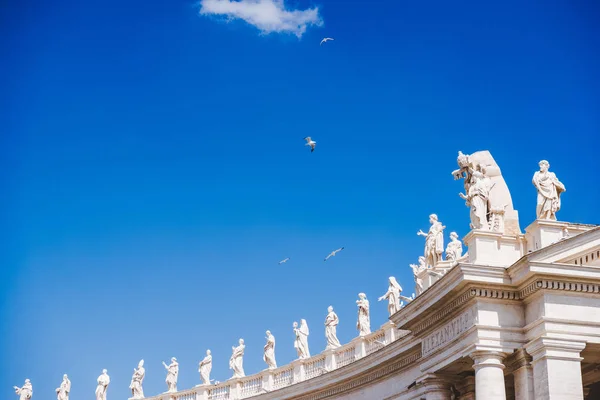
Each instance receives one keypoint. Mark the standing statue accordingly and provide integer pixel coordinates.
(454, 248)
(62, 392)
(137, 392)
(103, 381)
(331, 323)
(364, 320)
(392, 295)
(269, 351)
(236, 362)
(205, 367)
(301, 341)
(172, 375)
(434, 241)
(549, 189)
(416, 271)
(24, 392)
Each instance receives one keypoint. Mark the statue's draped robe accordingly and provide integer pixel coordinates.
(171, 380)
(103, 381)
(434, 243)
(331, 323)
(364, 322)
(549, 191)
(454, 250)
(62, 392)
(303, 339)
(269, 352)
(236, 362)
(136, 383)
(478, 195)
(393, 297)
(205, 368)
(25, 392)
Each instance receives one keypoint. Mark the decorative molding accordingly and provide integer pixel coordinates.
(504, 294)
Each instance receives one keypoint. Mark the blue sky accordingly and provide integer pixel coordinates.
(154, 172)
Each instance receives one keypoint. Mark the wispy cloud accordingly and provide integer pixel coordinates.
(267, 15)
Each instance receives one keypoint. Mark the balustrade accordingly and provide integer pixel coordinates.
(299, 370)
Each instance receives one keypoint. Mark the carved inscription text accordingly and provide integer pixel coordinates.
(447, 333)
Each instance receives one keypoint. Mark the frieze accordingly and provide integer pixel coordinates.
(448, 332)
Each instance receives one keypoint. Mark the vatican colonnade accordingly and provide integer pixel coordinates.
(515, 317)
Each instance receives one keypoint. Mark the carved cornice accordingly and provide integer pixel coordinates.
(503, 294)
(364, 378)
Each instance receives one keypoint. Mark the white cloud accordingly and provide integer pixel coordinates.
(267, 15)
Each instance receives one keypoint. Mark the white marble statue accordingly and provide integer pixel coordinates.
(62, 392)
(301, 341)
(392, 295)
(454, 248)
(24, 392)
(172, 375)
(103, 381)
(269, 351)
(137, 392)
(331, 323)
(205, 367)
(236, 362)
(434, 241)
(364, 320)
(549, 189)
(416, 271)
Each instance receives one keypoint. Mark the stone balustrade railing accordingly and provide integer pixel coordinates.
(297, 371)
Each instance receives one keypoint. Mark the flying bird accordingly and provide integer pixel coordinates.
(325, 40)
(333, 253)
(284, 260)
(311, 143)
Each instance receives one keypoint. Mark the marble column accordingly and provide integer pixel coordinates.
(556, 368)
(523, 374)
(489, 375)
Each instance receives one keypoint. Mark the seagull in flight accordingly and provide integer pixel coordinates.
(333, 253)
(284, 261)
(311, 143)
(325, 40)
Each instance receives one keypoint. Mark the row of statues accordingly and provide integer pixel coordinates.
(489, 201)
(236, 362)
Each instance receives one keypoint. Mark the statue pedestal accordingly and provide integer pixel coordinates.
(544, 232)
(494, 248)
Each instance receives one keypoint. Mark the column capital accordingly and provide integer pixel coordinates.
(434, 383)
(487, 358)
(521, 359)
(557, 349)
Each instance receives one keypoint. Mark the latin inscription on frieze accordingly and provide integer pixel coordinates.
(447, 333)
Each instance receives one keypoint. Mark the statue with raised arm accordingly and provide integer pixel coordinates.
(416, 270)
(301, 341)
(434, 241)
(331, 323)
(103, 381)
(392, 295)
(236, 362)
(137, 392)
(24, 392)
(172, 375)
(364, 319)
(269, 351)
(62, 392)
(454, 248)
(549, 189)
(205, 367)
